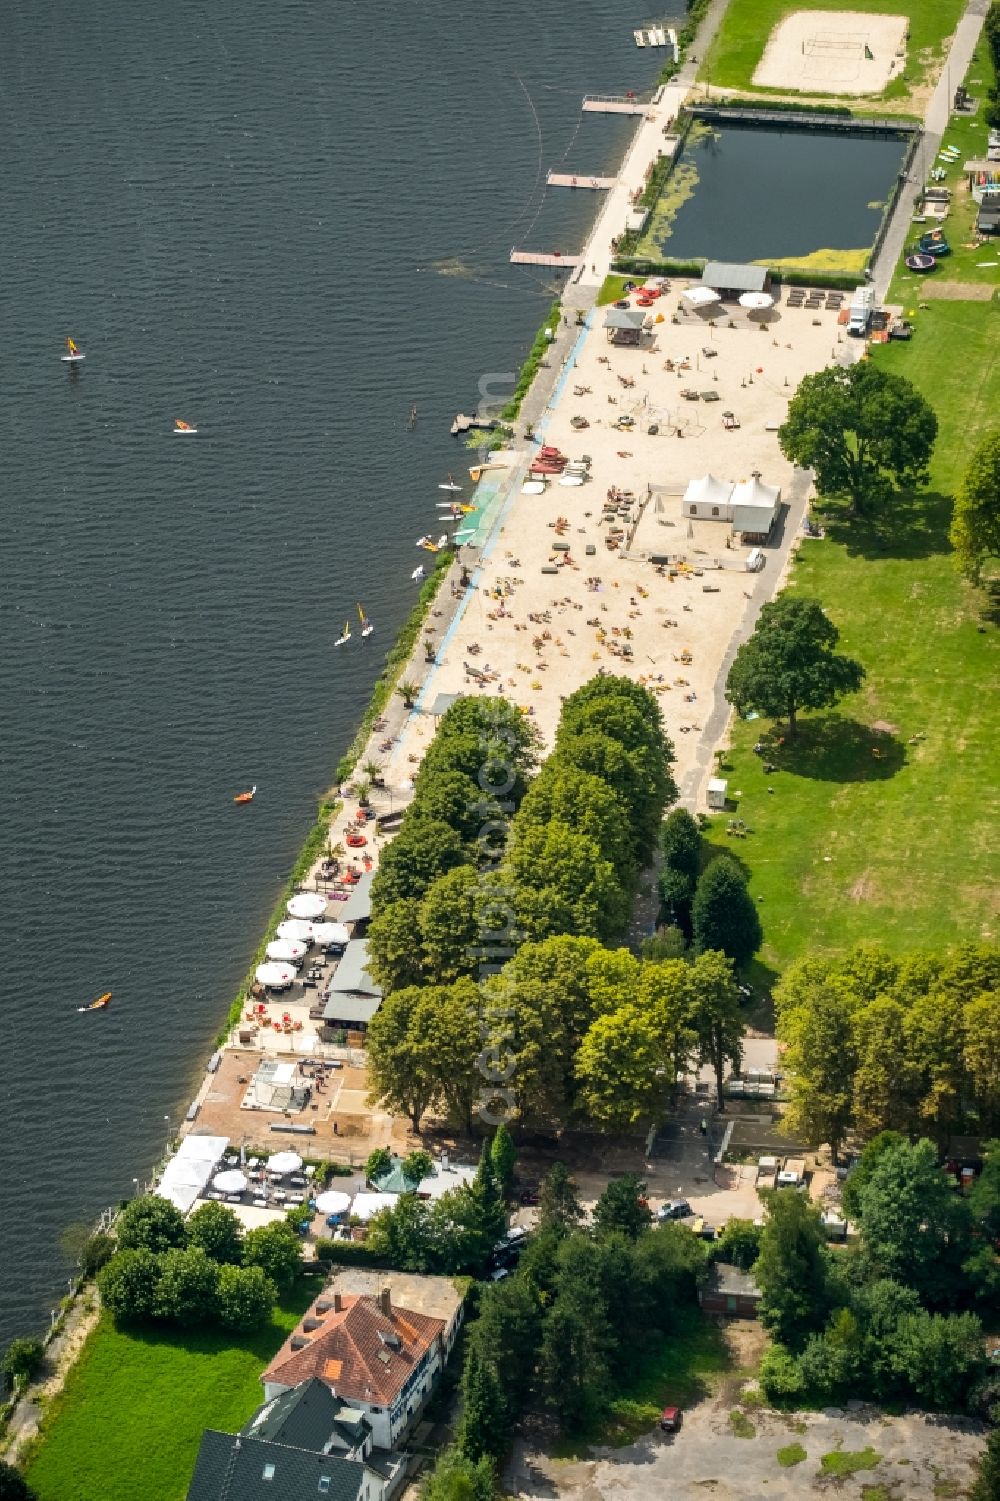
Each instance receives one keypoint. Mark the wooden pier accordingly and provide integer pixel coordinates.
(578, 180)
(614, 104)
(540, 258)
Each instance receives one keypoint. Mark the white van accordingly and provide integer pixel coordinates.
(755, 560)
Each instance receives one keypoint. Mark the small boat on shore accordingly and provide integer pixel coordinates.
(101, 1004)
(418, 572)
(73, 356)
(366, 625)
(450, 485)
(345, 634)
(183, 427)
(246, 797)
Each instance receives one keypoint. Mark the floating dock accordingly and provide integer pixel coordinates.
(541, 258)
(463, 424)
(578, 180)
(614, 104)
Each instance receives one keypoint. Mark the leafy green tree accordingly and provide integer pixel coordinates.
(676, 890)
(508, 1332)
(423, 1047)
(455, 1477)
(503, 1155)
(938, 1357)
(723, 913)
(459, 1046)
(564, 794)
(870, 970)
(277, 1250)
(246, 1296)
(573, 1370)
(417, 1166)
(128, 1285)
(666, 943)
(377, 1164)
(623, 1207)
(860, 1175)
(486, 1419)
(790, 1270)
(971, 969)
(150, 1223)
(403, 1236)
(987, 1482)
(96, 1251)
(559, 1206)
(680, 843)
(617, 1068)
(465, 1225)
(885, 1088)
(454, 798)
(790, 663)
(671, 992)
(821, 1062)
(216, 1229)
(862, 430)
(984, 1197)
(831, 1362)
(975, 526)
(22, 1361)
(911, 1222)
(671, 1262)
(563, 884)
(781, 1379)
(932, 1027)
(981, 1053)
(14, 1487)
(187, 1292)
(641, 778)
(395, 957)
(448, 923)
(423, 849)
(716, 1016)
(739, 1243)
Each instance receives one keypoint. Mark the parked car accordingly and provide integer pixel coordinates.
(674, 1209)
(671, 1419)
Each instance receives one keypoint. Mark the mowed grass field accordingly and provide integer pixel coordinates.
(899, 847)
(747, 24)
(129, 1421)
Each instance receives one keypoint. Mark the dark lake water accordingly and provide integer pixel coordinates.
(773, 194)
(241, 214)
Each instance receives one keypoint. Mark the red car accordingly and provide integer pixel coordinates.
(671, 1419)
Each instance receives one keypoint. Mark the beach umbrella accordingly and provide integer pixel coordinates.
(308, 904)
(331, 932)
(700, 296)
(275, 976)
(333, 1203)
(756, 302)
(295, 928)
(232, 1181)
(288, 949)
(283, 1163)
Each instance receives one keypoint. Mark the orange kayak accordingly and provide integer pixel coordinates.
(99, 1004)
(246, 797)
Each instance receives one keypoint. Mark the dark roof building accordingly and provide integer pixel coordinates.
(730, 280)
(729, 1290)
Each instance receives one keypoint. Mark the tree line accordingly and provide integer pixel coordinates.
(205, 1270)
(877, 1042)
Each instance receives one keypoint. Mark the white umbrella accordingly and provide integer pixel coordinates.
(296, 929)
(285, 948)
(232, 1181)
(333, 1203)
(284, 1162)
(756, 301)
(275, 976)
(367, 1204)
(331, 932)
(308, 904)
(700, 296)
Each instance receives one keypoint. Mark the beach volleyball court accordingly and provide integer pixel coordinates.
(833, 52)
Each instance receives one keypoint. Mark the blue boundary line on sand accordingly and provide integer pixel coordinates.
(517, 478)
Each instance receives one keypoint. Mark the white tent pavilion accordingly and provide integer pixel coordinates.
(709, 498)
(307, 904)
(701, 296)
(190, 1169)
(295, 928)
(333, 1202)
(330, 932)
(368, 1204)
(275, 976)
(286, 949)
(756, 302)
(232, 1181)
(755, 508)
(283, 1163)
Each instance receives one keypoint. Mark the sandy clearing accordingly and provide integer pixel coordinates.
(824, 51)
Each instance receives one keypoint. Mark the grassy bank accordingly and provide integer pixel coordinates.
(130, 1418)
(747, 24)
(845, 846)
(532, 363)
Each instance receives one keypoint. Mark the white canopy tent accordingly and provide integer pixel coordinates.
(708, 491)
(701, 296)
(333, 1202)
(755, 507)
(283, 1163)
(232, 1181)
(275, 976)
(296, 929)
(330, 932)
(307, 904)
(190, 1169)
(756, 302)
(287, 949)
(368, 1204)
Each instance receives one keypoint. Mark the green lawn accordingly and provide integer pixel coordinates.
(747, 24)
(844, 846)
(129, 1421)
(968, 133)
